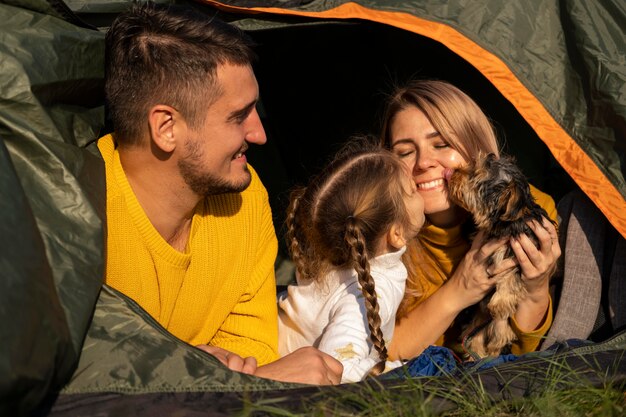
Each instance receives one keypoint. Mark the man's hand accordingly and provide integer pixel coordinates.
(231, 360)
(306, 365)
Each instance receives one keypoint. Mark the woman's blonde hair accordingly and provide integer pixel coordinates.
(456, 117)
(463, 125)
(337, 221)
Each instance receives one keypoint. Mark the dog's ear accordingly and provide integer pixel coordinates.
(512, 200)
(483, 160)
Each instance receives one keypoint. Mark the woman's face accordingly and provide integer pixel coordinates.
(414, 204)
(414, 139)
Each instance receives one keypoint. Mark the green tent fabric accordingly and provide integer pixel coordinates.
(52, 200)
(560, 63)
(555, 82)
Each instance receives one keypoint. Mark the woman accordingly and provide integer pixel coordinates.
(431, 126)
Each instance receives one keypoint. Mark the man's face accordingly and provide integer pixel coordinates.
(213, 159)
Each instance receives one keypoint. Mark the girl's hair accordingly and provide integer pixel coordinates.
(337, 221)
(463, 125)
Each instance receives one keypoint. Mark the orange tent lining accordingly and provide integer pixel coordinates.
(566, 151)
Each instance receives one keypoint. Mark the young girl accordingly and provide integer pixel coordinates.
(347, 232)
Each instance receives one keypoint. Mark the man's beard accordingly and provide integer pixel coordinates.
(203, 183)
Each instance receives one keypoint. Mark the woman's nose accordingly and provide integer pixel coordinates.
(423, 161)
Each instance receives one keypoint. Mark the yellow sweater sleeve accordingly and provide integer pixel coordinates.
(529, 341)
(251, 328)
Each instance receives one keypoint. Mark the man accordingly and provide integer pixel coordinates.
(190, 235)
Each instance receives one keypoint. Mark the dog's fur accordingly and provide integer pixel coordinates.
(497, 195)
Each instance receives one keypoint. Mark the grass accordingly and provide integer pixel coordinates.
(556, 390)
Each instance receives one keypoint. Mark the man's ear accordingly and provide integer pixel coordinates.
(165, 124)
(395, 236)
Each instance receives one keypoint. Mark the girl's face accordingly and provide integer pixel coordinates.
(414, 205)
(426, 154)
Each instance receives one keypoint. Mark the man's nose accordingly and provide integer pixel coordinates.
(255, 132)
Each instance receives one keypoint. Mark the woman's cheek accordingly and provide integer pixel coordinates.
(454, 160)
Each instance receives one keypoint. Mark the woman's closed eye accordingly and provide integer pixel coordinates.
(403, 150)
(404, 153)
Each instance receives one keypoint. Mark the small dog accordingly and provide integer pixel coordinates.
(496, 193)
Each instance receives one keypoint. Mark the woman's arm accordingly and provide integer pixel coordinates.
(537, 266)
(423, 325)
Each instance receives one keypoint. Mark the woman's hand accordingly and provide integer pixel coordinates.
(468, 285)
(473, 278)
(537, 264)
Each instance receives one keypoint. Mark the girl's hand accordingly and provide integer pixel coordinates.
(537, 264)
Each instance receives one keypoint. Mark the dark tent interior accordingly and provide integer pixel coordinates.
(321, 83)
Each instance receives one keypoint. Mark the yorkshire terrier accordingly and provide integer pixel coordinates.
(496, 193)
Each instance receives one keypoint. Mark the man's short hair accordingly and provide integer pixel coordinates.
(168, 55)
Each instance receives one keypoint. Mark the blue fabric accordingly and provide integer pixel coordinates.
(439, 360)
(434, 361)
(488, 362)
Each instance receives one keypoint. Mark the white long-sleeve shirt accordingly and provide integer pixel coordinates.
(330, 314)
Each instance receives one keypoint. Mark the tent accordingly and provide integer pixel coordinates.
(550, 73)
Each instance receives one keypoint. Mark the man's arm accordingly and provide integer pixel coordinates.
(305, 366)
(231, 360)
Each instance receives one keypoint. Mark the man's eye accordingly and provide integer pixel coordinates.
(241, 118)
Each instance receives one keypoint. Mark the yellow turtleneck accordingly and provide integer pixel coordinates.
(221, 290)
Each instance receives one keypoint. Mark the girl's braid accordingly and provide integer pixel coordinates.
(293, 241)
(358, 254)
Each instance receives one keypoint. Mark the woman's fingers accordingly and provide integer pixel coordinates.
(504, 266)
(543, 236)
(473, 276)
(488, 248)
(537, 260)
(533, 256)
(521, 255)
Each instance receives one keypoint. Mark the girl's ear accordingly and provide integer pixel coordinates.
(165, 127)
(395, 236)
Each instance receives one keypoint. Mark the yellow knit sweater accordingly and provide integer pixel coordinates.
(221, 291)
(447, 247)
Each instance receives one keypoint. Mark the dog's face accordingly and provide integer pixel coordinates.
(492, 190)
